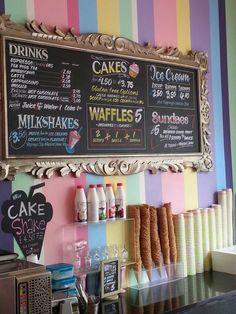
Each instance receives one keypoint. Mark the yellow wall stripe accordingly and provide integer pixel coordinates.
(190, 189)
(108, 17)
(114, 230)
(183, 25)
(184, 45)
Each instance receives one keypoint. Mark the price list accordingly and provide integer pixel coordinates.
(171, 86)
(116, 81)
(44, 99)
(115, 127)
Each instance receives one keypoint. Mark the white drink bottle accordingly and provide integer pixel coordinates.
(92, 200)
(101, 202)
(110, 202)
(120, 201)
(80, 205)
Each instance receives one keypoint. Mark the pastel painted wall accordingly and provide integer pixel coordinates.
(204, 25)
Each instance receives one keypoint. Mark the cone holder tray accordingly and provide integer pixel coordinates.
(155, 276)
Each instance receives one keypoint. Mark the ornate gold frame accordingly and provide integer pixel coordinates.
(107, 165)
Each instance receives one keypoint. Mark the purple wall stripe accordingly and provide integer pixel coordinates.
(200, 41)
(6, 239)
(153, 189)
(2, 7)
(225, 96)
(145, 22)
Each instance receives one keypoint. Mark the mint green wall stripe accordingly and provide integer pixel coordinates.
(126, 19)
(17, 9)
(133, 189)
(22, 182)
(230, 8)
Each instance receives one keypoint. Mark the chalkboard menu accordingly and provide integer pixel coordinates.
(68, 102)
(100, 104)
(112, 307)
(26, 217)
(110, 277)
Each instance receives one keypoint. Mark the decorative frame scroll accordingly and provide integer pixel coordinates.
(107, 165)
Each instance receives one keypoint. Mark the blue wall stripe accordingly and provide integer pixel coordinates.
(217, 96)
(88, 16)
(225, 95)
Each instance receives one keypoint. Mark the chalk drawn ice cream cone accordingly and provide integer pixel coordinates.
(74, 138)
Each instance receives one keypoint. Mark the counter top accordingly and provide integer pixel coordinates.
(210, 292)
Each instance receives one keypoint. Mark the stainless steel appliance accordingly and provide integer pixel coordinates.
(25, 288)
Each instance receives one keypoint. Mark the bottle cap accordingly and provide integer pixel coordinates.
(91, 185)
(79, 186)
(119, 184)
(108, 185)
(99, 185)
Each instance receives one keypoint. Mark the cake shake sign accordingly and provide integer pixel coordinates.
(26, 217)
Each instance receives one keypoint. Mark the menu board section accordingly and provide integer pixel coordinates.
(45, 115)
(110, 280)
(173, 109)
(67, 102)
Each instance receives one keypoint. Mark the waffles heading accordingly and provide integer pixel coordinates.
(110, 67)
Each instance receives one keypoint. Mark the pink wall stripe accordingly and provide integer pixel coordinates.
(51, 12)
(58, 191)
(165, 23)
(173, 190)
(73, 14)
(81, 180)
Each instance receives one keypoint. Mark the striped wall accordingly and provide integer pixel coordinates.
(205, 25)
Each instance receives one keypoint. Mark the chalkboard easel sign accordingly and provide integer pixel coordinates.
(110, 278)
(26, 218)
(113, 307)
(99, 104)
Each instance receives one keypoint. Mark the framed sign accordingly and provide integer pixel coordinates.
(110, 278)
(99, 104)
(26, 218)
